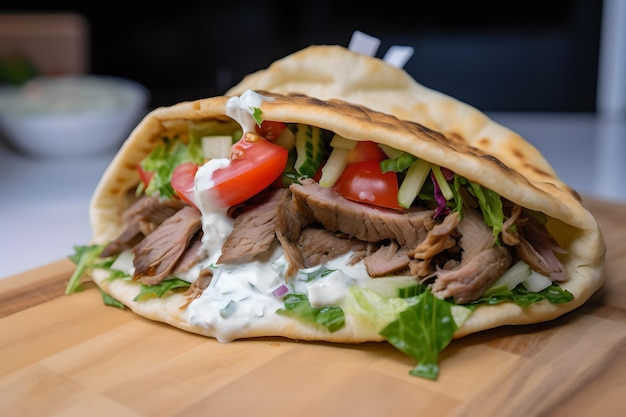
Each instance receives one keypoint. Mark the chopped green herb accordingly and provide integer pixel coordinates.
(257, 115)
(297, 305)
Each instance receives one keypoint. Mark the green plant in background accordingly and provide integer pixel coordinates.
(16, 69)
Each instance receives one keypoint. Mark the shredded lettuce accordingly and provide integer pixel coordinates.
(164, 159)
(371, 309)
(490, 205)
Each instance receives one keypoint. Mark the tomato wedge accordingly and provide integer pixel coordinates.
(254, 164)
(365, 151)
(183, 182)
(270, 130)
(145, 176)
(364, 182)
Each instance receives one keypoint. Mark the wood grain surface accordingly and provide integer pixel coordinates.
(73, 356)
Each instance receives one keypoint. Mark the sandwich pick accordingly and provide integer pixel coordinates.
(331, 197)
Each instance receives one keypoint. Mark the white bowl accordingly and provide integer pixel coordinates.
(71, 115)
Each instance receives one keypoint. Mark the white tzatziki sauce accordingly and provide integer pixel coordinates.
(242, 108)
(241, 296)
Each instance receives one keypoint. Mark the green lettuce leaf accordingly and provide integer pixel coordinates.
(422, 331)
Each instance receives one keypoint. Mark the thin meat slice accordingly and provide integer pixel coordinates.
(509, 236)
(196, 289)
(157, 254)
(387, 260)
(194, 253)
(319, 246)
(538, 249)
(291, 219)
(253, 230)
(469, 280)
(141, 219)
(438, 238)
(367, 223)
(476, 236)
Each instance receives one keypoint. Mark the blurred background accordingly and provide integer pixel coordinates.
(533, 55)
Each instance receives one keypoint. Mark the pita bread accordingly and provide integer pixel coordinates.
(334, 72)
(517, 173)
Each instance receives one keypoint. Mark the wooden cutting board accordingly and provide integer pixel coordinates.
(73, 356)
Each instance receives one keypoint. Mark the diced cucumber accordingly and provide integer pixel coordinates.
(334, 167)
(337, 160)
(512, 277)
(214, 147)
(536, 282)
(413, 182)
(310, 150)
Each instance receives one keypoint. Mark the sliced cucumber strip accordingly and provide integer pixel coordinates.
(536, 282)
(512, 277)
(342, 143)
(443, 184)
(334, 167)
(310, 150)
(413, 182)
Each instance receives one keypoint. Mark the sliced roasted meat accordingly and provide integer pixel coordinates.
(139, 220)
(538, 249)
(387, 260)
(194, 253)
(291, 219)
(476, 236)
(509, 236)
(438, 238)
(470, 279)
(253, 230)
(319, 246)
(364, 222)
(196, 289)
(157, 254)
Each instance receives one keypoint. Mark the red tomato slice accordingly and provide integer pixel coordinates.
(254, 164)
(365, 151)
(364, 182)
(183, 182)
(270, 130)
(144, 175)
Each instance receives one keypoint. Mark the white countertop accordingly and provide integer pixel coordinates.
(44, 203)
